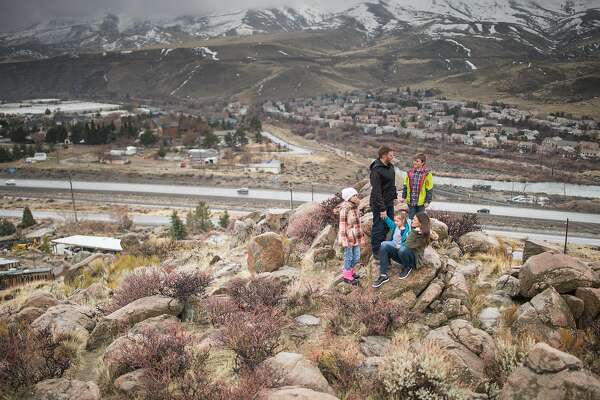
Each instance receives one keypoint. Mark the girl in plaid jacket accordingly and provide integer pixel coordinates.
(351, 235)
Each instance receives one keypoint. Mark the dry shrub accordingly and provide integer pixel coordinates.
(144, 282)
(422, 371)
(508, 316)
(510, 353)
(476, 301)
(29, 357)
(252, 294)
(218, 308)
(458, 224)
(306, 226)
(160, 248)
(302, 299)
(126, 263)
(253, 336)
(365, 312)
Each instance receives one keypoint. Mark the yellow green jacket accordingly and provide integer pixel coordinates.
(425, 187)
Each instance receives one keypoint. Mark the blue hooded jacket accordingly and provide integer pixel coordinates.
(398, 236)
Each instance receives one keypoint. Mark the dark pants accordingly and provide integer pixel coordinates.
(414, 210)
(403, 256)
(379, 229)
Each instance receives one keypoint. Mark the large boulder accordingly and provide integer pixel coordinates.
(591, 305)
(326, 237)
(242, 232)
(535, 247)
(429, 295)
(132, 313)
(41, 300)
(560, 271)
(277, 220)
(418, 280)
(265, 253)
(66, 320)
(547, 374)
(546, 315)
(297, 393)
(478, 242)
(66, 389)
(132, 383)
(457, 287)
(440, 228)
(94, 293)
(509, 285)
(469, 348)
(297, 370)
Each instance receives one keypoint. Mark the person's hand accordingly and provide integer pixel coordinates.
(427, 205)
(363, 241)
(383, 214)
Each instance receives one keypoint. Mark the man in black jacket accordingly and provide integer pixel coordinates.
(383, 194)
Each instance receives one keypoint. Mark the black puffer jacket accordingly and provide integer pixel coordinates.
(383, 183)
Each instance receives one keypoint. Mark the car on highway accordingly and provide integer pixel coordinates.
(11, 182)
(483, 211)
(243, 190)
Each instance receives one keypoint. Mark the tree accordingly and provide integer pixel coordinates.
(56, 134)
(229, 140)
(27, 219)
(210, 141)
(189, 139)
(162, 152)
(147, 138)
(47, 112)
(199, 219)
(255, 125)
(177, 228)
(6, 227)
(18, 135)
(258, 137)
(224, 220)
(240, 138)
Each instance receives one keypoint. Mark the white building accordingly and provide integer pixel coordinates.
(205, 156)
(271, 167)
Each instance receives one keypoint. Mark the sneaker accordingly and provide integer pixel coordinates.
(355, 275)
(380, 281)
(376, 255)
(405, 273)
(353, 282)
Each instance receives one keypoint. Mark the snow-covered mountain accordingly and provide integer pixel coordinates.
(544, 26)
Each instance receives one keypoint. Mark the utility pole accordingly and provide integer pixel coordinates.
(566, 236)
(73, 197)
(291, 197)
(312, 192)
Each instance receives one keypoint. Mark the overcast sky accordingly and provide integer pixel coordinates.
(16, 14)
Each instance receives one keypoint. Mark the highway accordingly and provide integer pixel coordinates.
(283, 195)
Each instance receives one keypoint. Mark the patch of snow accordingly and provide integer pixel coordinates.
(283, 52)
(187, 79)
(204, 52)
(471, 65)
(466, 49)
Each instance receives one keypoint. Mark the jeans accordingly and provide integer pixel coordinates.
(403, 256)
(414, 210)
(379, 229)
(351, 257)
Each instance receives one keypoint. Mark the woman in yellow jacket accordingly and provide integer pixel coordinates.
(417, 191)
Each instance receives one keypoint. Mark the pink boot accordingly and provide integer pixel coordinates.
(347, 274)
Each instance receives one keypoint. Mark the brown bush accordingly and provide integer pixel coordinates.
(149, 281)
(365, 311)
(250, 386)
(252, 294)
(29, 357)
(305, 227)
(253, 336)
(219, 308)
(458, 224)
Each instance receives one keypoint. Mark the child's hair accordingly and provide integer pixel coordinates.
(425, 224)
(421, 156)
(403, 216)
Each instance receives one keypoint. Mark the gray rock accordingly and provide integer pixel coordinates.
(560, 271)
(374, 346)
(535, 247)
(308, 320)
(478, 242)
(297, 393)
(509, 285)
(66, 320)
(66, 389)
(132, 383)
(489, 318)
(297, 370)
(265, 253)
(544, 358)
(575, 304)
(591, 305)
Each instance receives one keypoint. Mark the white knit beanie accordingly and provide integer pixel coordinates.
(348, 193)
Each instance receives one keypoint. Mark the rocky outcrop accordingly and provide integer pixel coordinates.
(535, 247)
(66, 389)
(93, 293)
(478, 242)
(562, 272)
(429, 295)
(469, 348)
(297, 393)
(326, 237)
(265, 253)
(41, 300)
(297, 370)
(591, 305)
(545, 316)
(132, 313)
(440, 228)
(509, 285)
(418, 280)
(66, 320)
(132, 383)
(548, 373)
(242, 232)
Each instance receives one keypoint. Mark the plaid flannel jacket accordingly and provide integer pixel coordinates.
(350, 230)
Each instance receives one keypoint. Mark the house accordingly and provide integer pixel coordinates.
(489, 142)
(15, 277)
(204, 156)
(6, 264)
(70, 244)
(271, 167)
(589, 150)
